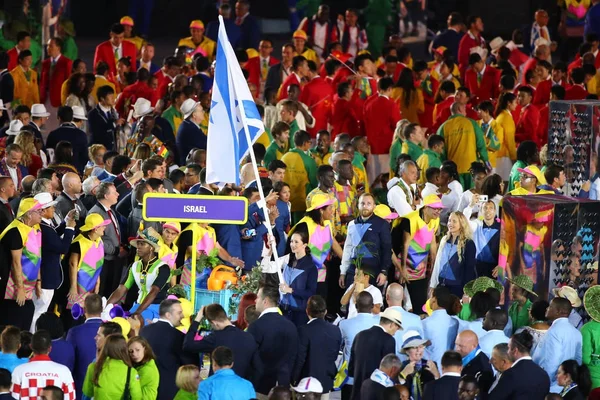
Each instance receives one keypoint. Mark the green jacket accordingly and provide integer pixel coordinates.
(515, 175)
(590, 333)
(412, 149)
(69, 49)
(519, 316)
(111, 383)
(272, 153)
(183, 395)
(149, 378)
(170, 114)
(395, 151)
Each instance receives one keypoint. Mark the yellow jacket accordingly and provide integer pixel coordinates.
(464, 142)
(416, 106)
(297, 176)
(311, 55)
(499, 132)
(26, 92)
(207, 45)
(509, 148)
(138, 41)
(98, 83)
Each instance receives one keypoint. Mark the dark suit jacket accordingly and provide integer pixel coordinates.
(78, 138)
(250, 33)
(480, 368)
(167, 344)
(277, 341)
(368, 348)
(153, 67)
(274, 78)
(525, 380)
(6, 216)
(82, 339)
(445, 388)
(245, 351)
(6, 396)
(371, 390)
(320, 344)
(65, 204)
(37, 133)
(102, 127)
(233, 31)
(189, 136)
(55, 243)
(112, 245)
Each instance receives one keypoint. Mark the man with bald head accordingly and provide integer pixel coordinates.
(26, 185)
(475, 362)
(7, 191)
(395, 297)
(69, 198)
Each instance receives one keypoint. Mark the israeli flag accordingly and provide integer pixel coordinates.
(234, 123)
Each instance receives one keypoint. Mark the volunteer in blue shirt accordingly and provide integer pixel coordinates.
(224, 383)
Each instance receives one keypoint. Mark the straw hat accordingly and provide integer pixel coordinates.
(319, 201)
(534, 171)
(433, 201)
(383, 211)
(524, 282)
(142, 107)
(481, 284)
(14, 128)
(149, 236)
(591, 302)
(393, 316)
(93, 221)
(567, 292)
(68, 27)
(197, 24)
(26, 205)
(188, 107)
(412, 339)
(45, 200)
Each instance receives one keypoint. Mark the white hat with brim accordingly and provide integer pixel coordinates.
(496, 44)
(309, 385)
(14, 127)
(567, 292)
(142, 107)
(392, 315)
(79, 113)
(45, 199)
(188, 107)
(39, 111)
(412, 339)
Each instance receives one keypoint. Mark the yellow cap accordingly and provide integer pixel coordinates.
(320, 201)
(535, 171)
(383, 211)
(126, 20)
(197, 24)
(176, 226)
(433, 201)
(26, 205)
(300, 34)
(93, 221)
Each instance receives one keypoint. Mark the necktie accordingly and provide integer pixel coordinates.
(52, 66)
(28, 75)
(10, 211)
(479, 79)
(238, 21)
(115, 224)
(116, 55)
(264, 69)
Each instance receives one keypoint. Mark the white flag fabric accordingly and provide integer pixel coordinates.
(232, 108)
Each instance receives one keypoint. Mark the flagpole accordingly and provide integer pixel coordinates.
(260, 191)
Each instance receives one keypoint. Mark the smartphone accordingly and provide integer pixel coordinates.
(483, 198)
(251, 232)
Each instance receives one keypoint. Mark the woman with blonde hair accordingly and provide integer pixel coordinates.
(96, 155)
(143, 359)
(396, 148)
(112, 375)
(142, 152)
(30, 159)
(455, 261)
(187, 380)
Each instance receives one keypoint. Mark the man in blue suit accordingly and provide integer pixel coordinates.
(248, 24)
(146, 60)
(233, 31)
(319, 346)
(82, 338)
(69, 132)
(560, 343)
(254, 232)
(410, 322)
(446, 388)
(440, 328)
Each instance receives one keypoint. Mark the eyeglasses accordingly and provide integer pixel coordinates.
(525, 177)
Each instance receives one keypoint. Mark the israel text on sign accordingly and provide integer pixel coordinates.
(195, 208)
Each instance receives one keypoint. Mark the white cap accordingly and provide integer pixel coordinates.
(45, 199)
(2, 106)
(309, 385)
(14, 127)
(39, 111)
(79, 113)
(142, 107)
(188, 107)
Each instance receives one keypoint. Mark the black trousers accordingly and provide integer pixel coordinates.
(347, 392)
(418, 294)
(110, 277)
(13, 314)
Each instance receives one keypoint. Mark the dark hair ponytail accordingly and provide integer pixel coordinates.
(503, 102)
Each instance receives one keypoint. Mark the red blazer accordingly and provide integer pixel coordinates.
(290, 80)
(163, 83)
(359, 100)
(104, 52)
(464, 51)
(318, 96)
(486, 89)
(131, 93)
(578, 62)
(399, 68)
(517, 58)
(344, 119)
(542, 133)
(253, 68)
(527, 127)
(51, 83)
(13, 58)
(443, 113)
(381, 116)
(542, 92)
(529, 65)
(576, 92)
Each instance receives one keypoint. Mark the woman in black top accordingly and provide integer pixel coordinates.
(574, 379)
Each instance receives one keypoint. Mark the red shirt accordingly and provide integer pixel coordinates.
(486, 88)
(105, 52)
(464, 50)
(254, 70)
(292, 79)
(542, 92)
(529, 66)
(344, 119)
(53, 78)
(542, 134)
(381, 116)
(576, 92)
(517, 58)
(13, 58)
(527, 127)
(131, 93)
(318, 96)
(164, 81)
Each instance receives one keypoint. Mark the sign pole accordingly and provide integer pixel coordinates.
(193, 266)
(260, 191)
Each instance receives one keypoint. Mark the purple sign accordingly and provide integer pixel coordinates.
(194, 208)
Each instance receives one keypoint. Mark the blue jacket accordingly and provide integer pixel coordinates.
(233, 31)
(250, 35)
(490, 339)
(320, 343)
(560, 343)
(102, 127)
(441, 329)
(189, 136)
(229, 237)
(78, 138)
(303, 281)
(372, 239)
(153, 67)
(82, 339)
(450, 39)
(11, 361)
(350, 328)
(53, 247)
(281, 223)
(252, 248)
(62, 352)
(225, 385)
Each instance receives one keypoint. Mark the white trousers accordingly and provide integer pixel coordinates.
(41, 305)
